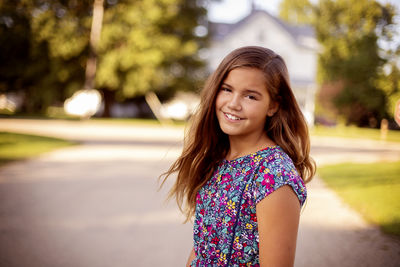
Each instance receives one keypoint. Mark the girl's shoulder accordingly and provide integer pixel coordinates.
(276, 169)
(275, 156)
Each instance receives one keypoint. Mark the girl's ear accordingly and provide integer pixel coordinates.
(273, 108)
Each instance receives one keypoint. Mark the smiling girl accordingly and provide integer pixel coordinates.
(244, 164)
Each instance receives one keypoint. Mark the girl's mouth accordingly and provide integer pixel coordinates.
(232, 117)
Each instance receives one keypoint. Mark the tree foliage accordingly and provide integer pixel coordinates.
(144, 45)
(351, 34)
(51, 42)
(296, 11)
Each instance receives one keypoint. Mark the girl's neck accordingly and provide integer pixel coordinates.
(239, 146)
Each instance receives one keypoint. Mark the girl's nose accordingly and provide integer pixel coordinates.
(234, 103)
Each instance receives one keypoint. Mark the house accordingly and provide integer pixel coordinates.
(296, 44)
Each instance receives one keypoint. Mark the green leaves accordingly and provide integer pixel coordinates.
(134, 47)
(46, 43)
(349, 32)
(297, 11)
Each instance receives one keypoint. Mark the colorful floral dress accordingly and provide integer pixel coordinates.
(225, 226)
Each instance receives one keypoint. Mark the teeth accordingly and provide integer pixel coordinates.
(232, 117)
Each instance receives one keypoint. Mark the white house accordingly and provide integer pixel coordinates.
(296, 44)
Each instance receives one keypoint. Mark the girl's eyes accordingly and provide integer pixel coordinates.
(226, 89)
(251, 97)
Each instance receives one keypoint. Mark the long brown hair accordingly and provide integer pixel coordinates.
(205, 144)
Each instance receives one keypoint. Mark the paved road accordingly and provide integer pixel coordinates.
(97, 204)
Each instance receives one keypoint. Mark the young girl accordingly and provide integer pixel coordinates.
(244, 164)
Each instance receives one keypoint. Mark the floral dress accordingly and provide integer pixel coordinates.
(225, 226)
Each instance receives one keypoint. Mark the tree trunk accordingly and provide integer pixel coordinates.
(108, 97)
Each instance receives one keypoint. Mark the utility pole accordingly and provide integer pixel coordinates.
(97, 21)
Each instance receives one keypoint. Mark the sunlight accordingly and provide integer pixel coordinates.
(84, 103)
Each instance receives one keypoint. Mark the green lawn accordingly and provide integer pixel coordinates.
(15, 146)
(372, 189)
(354, 132)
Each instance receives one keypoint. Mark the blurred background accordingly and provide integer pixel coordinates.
(149, 59)
(95, 96)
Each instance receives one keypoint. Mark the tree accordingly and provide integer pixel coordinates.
(389, 81)
(142, 44)
(15, 43)
(349, 32)
(296, 11)
(54, 35)
(149, 45)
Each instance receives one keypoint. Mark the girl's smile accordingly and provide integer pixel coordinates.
(232, 117)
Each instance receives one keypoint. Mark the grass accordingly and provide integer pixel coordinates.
(354, 132)
(15, 146)
(371, 189)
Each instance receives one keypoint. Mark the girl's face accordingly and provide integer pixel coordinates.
(243, 103)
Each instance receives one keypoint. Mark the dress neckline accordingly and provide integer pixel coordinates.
(251, 155)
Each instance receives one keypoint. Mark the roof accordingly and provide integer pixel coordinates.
(219, 31)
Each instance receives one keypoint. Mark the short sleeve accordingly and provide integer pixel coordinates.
(274, 173)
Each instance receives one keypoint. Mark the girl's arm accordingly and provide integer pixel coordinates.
(192, 256)
(278, 222)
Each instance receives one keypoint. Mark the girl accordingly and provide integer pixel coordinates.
(244, 164)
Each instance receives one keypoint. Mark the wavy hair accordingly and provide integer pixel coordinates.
(205, 144)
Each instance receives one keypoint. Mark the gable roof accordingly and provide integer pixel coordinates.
(220, 31)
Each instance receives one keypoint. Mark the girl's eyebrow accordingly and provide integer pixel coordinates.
(225, 84)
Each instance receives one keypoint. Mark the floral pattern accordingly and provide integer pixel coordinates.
(225, 226)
